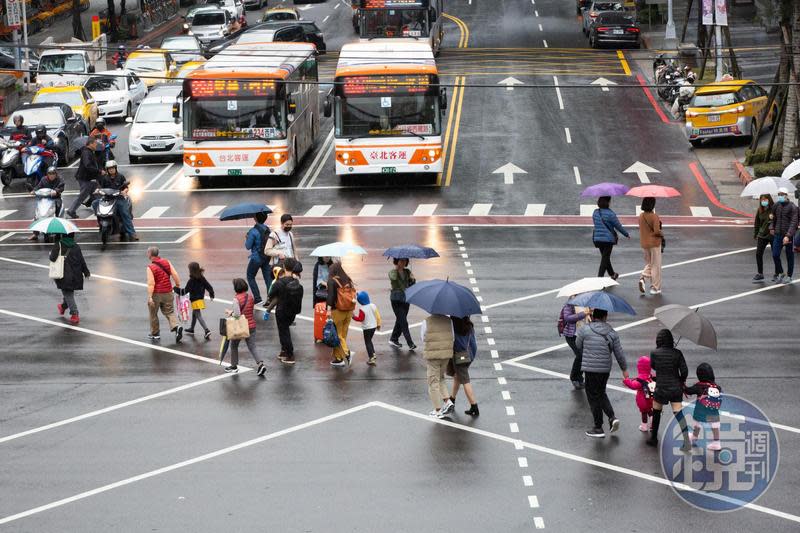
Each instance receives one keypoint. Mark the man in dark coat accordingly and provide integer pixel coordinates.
(87, 176)
(782, 229)
(671, 373)
(75, 270)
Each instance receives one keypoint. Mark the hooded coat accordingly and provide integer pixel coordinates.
(75, 268)
(643, 374)
(597, 342)
(705, 379)
(670, 367)
(366, 312)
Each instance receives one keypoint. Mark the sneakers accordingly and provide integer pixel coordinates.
(412, 347)
(338, 363)
(448, 407)
(644, 428)
(61, 309)
(287, 359)
(207, 334)
(777, 278)
(75, 320)
(641, 285)
(614, 424)
(395, 343)
(154, 336)
(758, 278)
(715, 446)
(595, 433)
(786, 280)
(372, 360)
(654, 292)
(232, 369)
(473, 410)
(436, 414)
(189, 331)
(349, 357)
(578, 385)
(261, 370)
(71, 214)
(178, 334)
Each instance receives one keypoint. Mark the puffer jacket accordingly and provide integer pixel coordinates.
(597, 341)
(437, 340)
(606, 224)
(785, 219)
(668, 364)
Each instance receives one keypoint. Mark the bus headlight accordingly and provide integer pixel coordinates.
(431, 153)
(346, 156)
(278, 156)
(192, 158)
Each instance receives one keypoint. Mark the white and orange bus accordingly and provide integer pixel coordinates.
(387, 107)
(417, 19)
(251, 110)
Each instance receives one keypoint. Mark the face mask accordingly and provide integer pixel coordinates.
(765, 203)
(781, 199)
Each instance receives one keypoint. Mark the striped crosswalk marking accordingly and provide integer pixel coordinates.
(370, 210)
(210, 212)
(700, 211)
(6, 212)
(587, 210)
(535, 210)
(154, 212)
(480, 210)
(317, 210)
(425, 210)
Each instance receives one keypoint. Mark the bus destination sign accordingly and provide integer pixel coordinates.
(392, 4)
(386, 84)
(231, 88)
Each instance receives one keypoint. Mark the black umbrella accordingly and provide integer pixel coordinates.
(688, 323)
(245, 210)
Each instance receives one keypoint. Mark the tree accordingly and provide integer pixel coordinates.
(112, 20)
(77, 24)
(792, 39)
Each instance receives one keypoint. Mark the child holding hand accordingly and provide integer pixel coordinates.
(644, 385)
(367, 313)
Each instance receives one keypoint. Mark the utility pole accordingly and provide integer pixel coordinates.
(670, 33)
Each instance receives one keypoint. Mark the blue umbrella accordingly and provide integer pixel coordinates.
(410, 251)
(245, 210)
(603, 300)
(440, 297)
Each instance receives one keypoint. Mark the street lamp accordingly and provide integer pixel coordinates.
(670, 33)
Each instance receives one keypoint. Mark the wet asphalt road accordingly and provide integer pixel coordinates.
(308, 448)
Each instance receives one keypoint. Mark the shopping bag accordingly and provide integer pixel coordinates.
(57, 266)
(183, 306)
(237, 328)
(329, 334)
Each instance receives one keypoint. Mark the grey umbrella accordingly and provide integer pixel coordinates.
(689, 323)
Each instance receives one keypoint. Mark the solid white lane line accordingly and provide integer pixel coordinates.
(535, 210)
(154, 212)
(158, 176)
(314, 177)
(187, 235)
(703, 211)
(479, 210)
(211, 211)
(558, 90)
(544, 43)
(6, 212)
(182, 464)
(425, 210)
(370, 210)
(569, 137)
(577, 175)
(587, 210)
(118, 406)
(317, 210)
(74, 163)
(312, 166)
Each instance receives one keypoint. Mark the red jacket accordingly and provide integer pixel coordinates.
(246, 303)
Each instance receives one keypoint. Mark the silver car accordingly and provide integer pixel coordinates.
(595, 8)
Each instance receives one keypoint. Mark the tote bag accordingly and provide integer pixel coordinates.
(57, 266)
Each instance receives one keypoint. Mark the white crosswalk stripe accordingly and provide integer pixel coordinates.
(370, 210)
(6, 212)
(317, 211)
(154, 212)
(700, 211)
(535, 210)
(480, 210)
(425, 210)
(211, 211)
(587, 210)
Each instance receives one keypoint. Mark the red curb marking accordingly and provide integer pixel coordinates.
(649, 95)
(744, 175)
(709, 194)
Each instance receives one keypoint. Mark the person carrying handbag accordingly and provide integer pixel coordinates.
(604, 236)
(651, 240)
(67, 260)
(465, 348)
(400, 278)
(243, 304)
(341, 303)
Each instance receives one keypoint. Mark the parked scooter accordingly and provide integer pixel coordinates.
(33, 163)
(107, 221)
(46, 202)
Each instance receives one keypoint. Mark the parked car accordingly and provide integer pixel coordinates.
(727, 109)
(590, 13)
(8, 60)
(614, 28)
(155, 132)
(257, 4)
(184, 48)
(212, 25)
(76, 97)
(152, 66)
(117, 92)
(62, 124)
(280, 13)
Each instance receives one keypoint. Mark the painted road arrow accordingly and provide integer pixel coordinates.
(509, 83)
(603, 83)
(508, 170)
(641, 170)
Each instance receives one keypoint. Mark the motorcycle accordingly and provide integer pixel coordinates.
(33, 164)
(46, 206)
(11, 162)
(107, 221)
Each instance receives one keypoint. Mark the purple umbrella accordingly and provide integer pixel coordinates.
(605, 189)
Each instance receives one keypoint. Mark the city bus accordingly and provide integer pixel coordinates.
(417, 19)
(252, 110)
(387, 107)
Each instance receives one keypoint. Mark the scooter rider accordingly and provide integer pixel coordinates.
(20, 131)
(42, 140)
(103, 134)
(120, 57)
(53, 181)
(113, 179)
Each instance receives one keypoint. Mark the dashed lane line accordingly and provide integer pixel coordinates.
(577, 173)
(425, 210)
(569, 137)
(158, 176)
(558, 93)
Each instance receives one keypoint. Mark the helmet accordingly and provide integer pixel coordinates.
(111, 164)
(52, 170)
(41, 130)
(100, 123)
(121, 47)
(19, 118)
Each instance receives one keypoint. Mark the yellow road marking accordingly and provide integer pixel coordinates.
(455, 108)
(455, 136)
(452, 112)
(624, 62)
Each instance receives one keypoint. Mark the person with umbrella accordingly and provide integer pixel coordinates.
(400, 278)
(606, 225)
(597, 342)
(651, 240)
(260, 255)
(671, 373)
(75, 270)
(761, 222)
(320, 279)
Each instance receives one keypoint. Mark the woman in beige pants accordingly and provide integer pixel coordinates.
(437, 343)
(651, 239)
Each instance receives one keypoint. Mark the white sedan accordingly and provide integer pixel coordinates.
(117, 92)
(156, 130)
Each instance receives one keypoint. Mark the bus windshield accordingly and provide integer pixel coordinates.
(395, 23)
(241, 118)
(405, 107)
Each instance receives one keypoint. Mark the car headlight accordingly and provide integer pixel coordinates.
(119, 99)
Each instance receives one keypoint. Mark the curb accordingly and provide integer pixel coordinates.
(741, 172)
(158, 32)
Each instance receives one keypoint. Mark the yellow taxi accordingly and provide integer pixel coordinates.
(152, 65)
(77, 97)
(727, 109)
(280, 13)
(188, 67)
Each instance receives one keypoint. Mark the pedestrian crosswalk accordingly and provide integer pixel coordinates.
(7, 212)
(155, 212)
(211, 211)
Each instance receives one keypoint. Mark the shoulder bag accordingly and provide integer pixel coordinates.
(57, 266)
(237, 328)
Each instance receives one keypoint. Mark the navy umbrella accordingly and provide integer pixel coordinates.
(411, 251)
(245, 210)
(440, 297)
(603, 300)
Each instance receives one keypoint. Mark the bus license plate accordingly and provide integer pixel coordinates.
(388, 170)
(234, 172)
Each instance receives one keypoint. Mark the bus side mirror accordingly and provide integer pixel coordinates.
(327, 108)
(291, 104)
(90, 69)
(443, 98)
(176, 111)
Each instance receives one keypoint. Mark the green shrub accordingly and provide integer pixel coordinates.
(759, 155)
(773, 168)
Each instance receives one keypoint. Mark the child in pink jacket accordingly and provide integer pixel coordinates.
(644, 385)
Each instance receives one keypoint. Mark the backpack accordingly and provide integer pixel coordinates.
(345, 296)
(562, 323)
(711, 398)
(262, 252)
(648, 388)
(293, 294)
(330, 337)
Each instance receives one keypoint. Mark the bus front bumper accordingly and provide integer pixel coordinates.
(433, 167)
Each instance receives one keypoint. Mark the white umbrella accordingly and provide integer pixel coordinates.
(54, 225)
(792, 170)
(586, 285)
(768, 185)
(338, 249)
